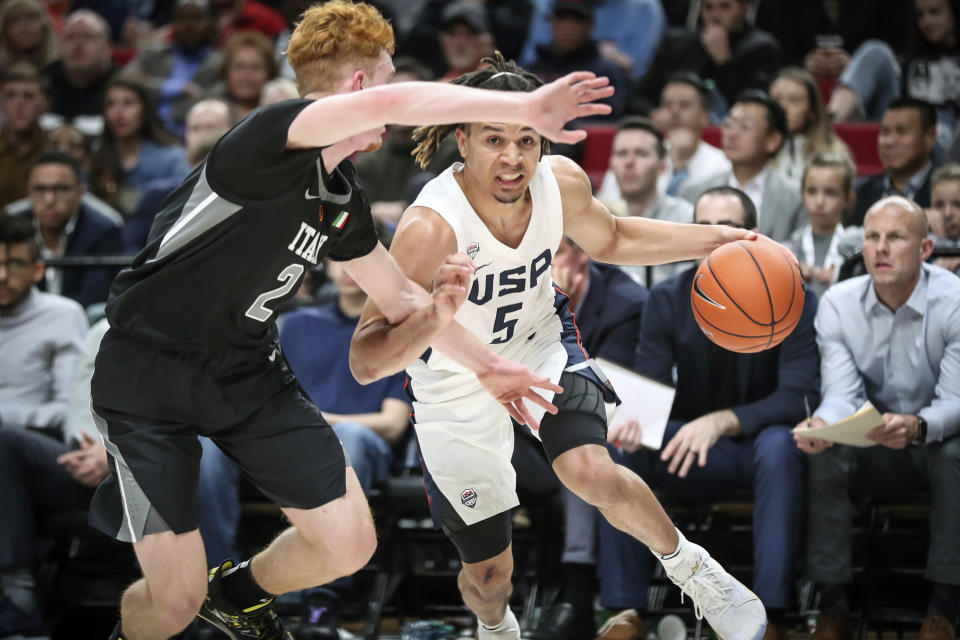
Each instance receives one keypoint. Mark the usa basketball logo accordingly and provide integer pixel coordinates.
(320, 214)
(469, 498)
(473, 249)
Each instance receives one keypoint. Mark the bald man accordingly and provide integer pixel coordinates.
(207, 118)
(891, 337)
(78, 79)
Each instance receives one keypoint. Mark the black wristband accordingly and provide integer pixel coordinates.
(921, 430)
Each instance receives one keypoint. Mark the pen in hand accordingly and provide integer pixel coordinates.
(806, 406)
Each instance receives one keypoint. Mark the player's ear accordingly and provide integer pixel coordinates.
(358, 78)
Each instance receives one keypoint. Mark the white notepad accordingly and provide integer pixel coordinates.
(850, 431)
(643, 399)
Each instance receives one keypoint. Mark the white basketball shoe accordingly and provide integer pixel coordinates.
(732, 610)
(509, 629)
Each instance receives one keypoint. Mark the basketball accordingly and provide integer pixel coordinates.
(747, 296)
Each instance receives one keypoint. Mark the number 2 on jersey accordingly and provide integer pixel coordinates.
(289, 277)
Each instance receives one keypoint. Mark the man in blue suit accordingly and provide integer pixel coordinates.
(728, 430)
(607, 305)
(67, 226)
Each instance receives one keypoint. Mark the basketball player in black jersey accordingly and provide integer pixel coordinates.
(192, 343)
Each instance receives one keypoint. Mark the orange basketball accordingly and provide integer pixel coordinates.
(747, 295)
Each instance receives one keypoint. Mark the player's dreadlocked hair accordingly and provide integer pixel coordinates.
(500, 74)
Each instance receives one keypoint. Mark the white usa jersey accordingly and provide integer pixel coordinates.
(511, 303)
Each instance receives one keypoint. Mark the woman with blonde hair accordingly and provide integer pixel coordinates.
(26, 34)
(248, 65)
(808, 126)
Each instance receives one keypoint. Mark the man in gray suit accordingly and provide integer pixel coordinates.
(752, 135)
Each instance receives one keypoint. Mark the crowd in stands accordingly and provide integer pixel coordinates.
(733, 112)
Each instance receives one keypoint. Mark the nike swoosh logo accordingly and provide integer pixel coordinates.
(482, 266)
(310, 196)
(697, 290)
(272, 356)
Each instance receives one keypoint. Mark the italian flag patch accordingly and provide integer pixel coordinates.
(341, 220)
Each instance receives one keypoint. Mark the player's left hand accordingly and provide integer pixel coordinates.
(510, 382)
(896, 432)
(450, 285)
(565, 99)
(692, 442)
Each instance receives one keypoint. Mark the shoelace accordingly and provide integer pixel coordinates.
(709, 594)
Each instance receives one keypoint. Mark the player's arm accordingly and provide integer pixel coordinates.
(337, 117)
(383, 344)
(638, 241)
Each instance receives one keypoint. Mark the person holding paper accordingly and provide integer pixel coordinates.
(891, 337)
(728, 430)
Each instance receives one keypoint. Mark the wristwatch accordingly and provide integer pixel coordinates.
(921, 431)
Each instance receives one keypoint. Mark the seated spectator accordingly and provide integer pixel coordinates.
(574, 49)
(945, 206)
(371, 421)
(637, 160)
(69, 227)
(26, 34)
(206, 122)
(809, 130)
(726, 50)
(892, 337)
(133, 149)
(41, 335)
(23, 99)
(926, 71)
(627, 32)
(69, 140)
(79, 79)
(752, 135)
(465, 38)
(418, 30)
(908, 134)
(387, 172)
(238, 16)
(177, 72)
(278, 90)
(683, 114)
(248, 64)
(729, 430)
(827, 187)
(608, 307)
(41, 475)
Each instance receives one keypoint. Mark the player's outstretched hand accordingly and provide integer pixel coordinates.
(510, 382)
(565, 99)
(450, 285)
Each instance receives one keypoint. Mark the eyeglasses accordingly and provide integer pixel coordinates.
(16, 265)
(747, 124)
(55, 189)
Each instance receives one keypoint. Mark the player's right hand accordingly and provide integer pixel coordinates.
(510, 382)
(450, 285)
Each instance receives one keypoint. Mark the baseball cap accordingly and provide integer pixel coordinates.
(580, 7)
(471, 13)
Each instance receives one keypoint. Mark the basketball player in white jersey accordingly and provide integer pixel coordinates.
(508, 206)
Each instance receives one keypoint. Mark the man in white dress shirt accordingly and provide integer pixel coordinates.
(891, 337)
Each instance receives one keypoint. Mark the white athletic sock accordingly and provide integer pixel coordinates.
(666, 559)
(509, 622)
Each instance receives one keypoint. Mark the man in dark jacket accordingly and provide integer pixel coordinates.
(66, 226)
(728, 430)
(726, 50)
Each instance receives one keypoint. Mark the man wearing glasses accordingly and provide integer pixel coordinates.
(41, 337)
(67, 226)
(752, 135)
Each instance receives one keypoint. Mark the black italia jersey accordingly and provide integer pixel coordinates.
(234, 240)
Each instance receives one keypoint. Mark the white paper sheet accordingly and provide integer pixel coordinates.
(643, 399)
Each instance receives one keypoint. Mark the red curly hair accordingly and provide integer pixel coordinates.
(332, 36)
